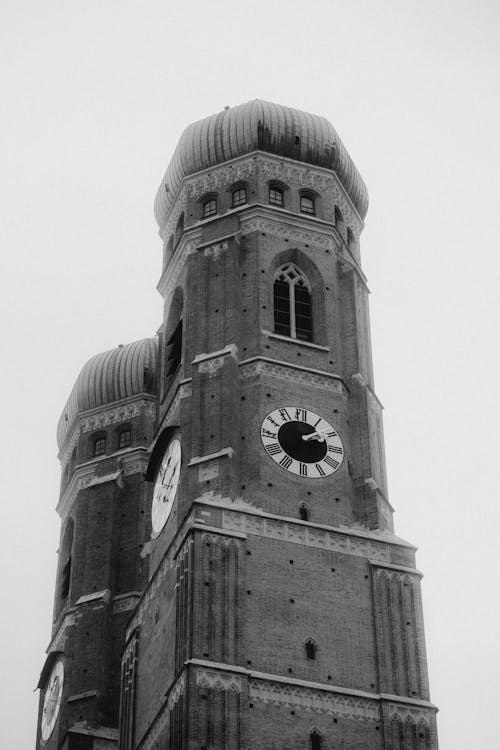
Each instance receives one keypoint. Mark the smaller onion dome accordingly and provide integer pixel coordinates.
(260, 126)
(109, 377)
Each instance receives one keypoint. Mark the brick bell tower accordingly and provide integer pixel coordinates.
(234, 542)
(282, 611)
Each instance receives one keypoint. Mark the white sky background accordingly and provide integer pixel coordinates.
(94, 96)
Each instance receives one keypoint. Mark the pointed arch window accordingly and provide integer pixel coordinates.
(311, 649)
(292, 303)
(315, 738)
(174, 344)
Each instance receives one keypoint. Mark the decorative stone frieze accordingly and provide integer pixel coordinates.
(410, 713)
(302, 534)
(288, 231)
(314, 700)
(291, 373)
(218, 680)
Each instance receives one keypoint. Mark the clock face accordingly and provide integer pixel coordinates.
(302, 442)
(166, 483)
(52, 700)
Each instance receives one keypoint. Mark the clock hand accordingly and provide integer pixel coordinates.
(319, 435)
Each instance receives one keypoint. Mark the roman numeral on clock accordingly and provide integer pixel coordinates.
(268, 433)
(286, 462)
(274, 448)
(303, 470)
(331, 462)
(273, 422)
(320, 470)
(334, 449)
(284, 415)
(301, 415)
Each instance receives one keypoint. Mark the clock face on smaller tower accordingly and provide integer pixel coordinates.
(52, 700)
(165, 488)
(302, 442)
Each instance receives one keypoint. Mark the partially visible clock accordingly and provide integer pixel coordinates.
(52, 700)
(302, 442)
(165, 488)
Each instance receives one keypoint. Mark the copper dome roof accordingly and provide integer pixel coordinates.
(260, 126)
(108, 377)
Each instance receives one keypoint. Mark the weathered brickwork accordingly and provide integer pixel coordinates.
(271, 607)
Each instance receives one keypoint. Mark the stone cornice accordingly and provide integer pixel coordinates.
(131, 461)
(114, 413)
(290, 371)
(279, 168)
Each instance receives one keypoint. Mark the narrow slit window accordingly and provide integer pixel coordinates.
(292, 303)
(311, 649)
(303, 513)
(315, 740)
(175, 349)
(239, 197)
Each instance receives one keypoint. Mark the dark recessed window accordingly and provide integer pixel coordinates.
(307, 205)
(209, 208)
(292, 303)
(303, 513)
(124, 439)
(315, 740)
(310, 649)
(174, 349)
(276, 196)
(66, 578)
(100, 447)
(239, 197)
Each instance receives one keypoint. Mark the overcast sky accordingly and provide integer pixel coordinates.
(94, 96)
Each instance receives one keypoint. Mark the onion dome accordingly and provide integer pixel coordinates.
(109, 377)
(260, 126)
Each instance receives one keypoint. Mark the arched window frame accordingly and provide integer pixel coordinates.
(99, 445)
(124, 437)
(239, 196)
(209, 208)
(65, 562)
(179, 230)
(311, 648)
(315, 739)
(294, 277)
(277, 193)
(173, 340)
(304, 514)
(308, 203)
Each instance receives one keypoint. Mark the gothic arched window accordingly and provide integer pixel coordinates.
(315, 738)
(311, 649)
(303, 512)
(292, 303)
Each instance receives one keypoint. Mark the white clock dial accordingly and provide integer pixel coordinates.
(52, 700)
(166, 483)
(302, 442)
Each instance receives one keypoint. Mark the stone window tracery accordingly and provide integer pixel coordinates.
(292, 303)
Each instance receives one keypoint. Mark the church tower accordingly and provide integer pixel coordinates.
(239, 551)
